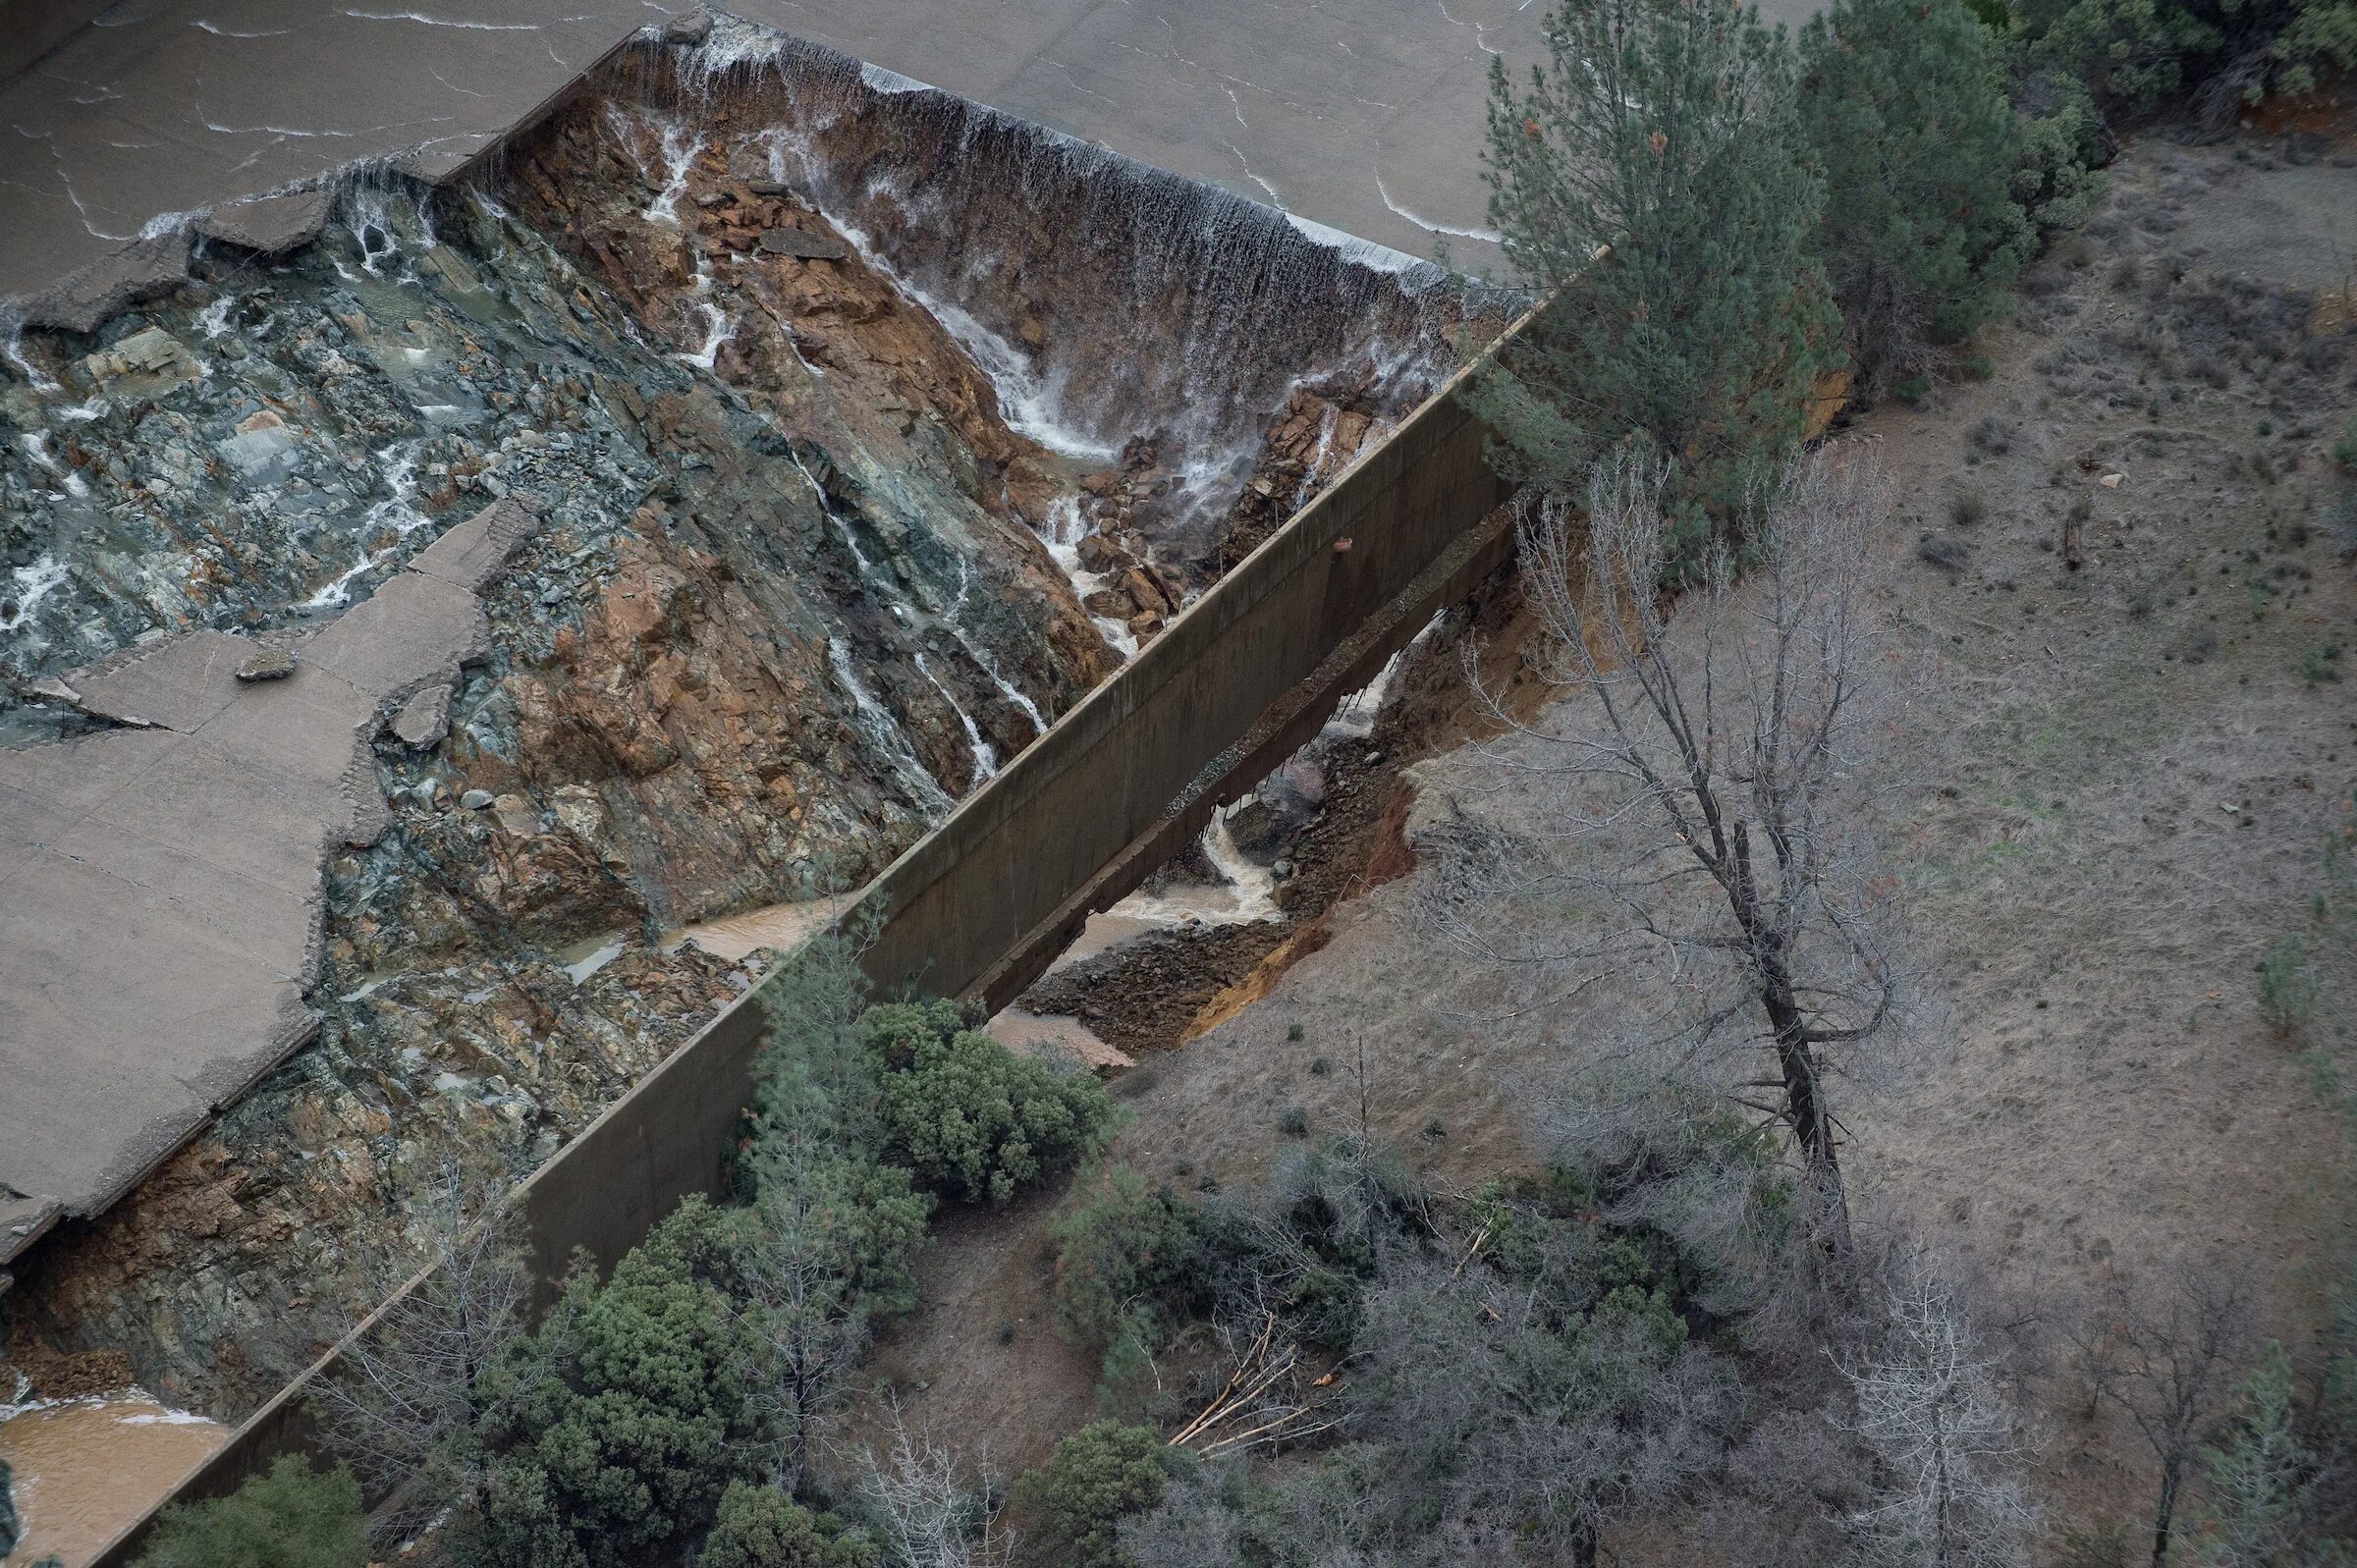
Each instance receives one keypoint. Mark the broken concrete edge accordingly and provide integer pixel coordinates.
(485, 542)
(156, 1144)
(275, 222)
(23, 1221)
(89, 298)
(270, 225)
(598, 1194)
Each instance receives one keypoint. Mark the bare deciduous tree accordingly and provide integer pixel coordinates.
(1703, 816)
(1928, 1407)
(2168, 1357)
(405, 1404)
(927, 1518)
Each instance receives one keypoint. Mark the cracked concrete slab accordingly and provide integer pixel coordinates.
(1363, 116)
(269, 224)
(160, 886)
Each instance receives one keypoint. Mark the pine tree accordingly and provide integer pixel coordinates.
(1918, 141)
(1652, 170)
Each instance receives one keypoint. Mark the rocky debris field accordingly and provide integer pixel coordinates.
(801, 576)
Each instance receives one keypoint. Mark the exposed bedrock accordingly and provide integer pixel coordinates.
(1117, 306)
(864, 431)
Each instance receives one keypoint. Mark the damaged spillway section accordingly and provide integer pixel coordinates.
(780, 448)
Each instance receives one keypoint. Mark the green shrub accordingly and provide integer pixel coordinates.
(2139, 56)
(621, 1423)
(859, 1219)
(2059, 179)
(969, 1116)
(759, 1527)
(2287, 992)
(2345, 449)
(814, 1166)
(2262, 1479)
(1125, 1253)
(1095, 1479)
(1908, 115)
(290, 1516)
(1308, 1241)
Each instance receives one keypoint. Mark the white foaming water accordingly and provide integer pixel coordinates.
(986, 759)
(981, 656)
(718, 328)
(1030, 405)
(28, 586)
(380, 225)
(676, 143)
(1317, 461)
(867, 569)
(213, 319)
(733, 43)
(718, 331)
(1255, 888)
(1355, 714)
(1359, 252)
(886, 730)
(891, 82)
(1489, 235)
(36, 442)
(34, 376)
(1248, 894)
(399, 512)
(167, 1417)
(1063, 539)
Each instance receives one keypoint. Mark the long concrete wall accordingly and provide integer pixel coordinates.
(984, 902)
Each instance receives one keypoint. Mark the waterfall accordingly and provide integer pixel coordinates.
(880, 727)
(28, 587)
(981, 656)
(36, 443)
(986, 760)
(1240, 300)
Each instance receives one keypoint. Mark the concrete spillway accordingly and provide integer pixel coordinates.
(1361, 115)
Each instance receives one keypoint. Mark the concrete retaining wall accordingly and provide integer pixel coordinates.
(31, 29)
(987, 899)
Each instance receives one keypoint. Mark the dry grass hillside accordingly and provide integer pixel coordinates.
(2122, 594)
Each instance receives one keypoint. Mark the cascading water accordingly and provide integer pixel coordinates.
(397, 515)
(986, 760)
(824, 537)
(884, 730)
(1239, 298)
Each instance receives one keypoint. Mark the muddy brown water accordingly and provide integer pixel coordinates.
(85, 1468)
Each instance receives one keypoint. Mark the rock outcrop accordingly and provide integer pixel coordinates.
(810, 559)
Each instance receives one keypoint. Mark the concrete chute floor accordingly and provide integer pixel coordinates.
(1361, 115)
(191, 836)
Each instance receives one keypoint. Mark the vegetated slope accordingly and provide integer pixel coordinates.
(2098, 1095)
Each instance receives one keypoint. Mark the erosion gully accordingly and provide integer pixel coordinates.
(868, 430)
